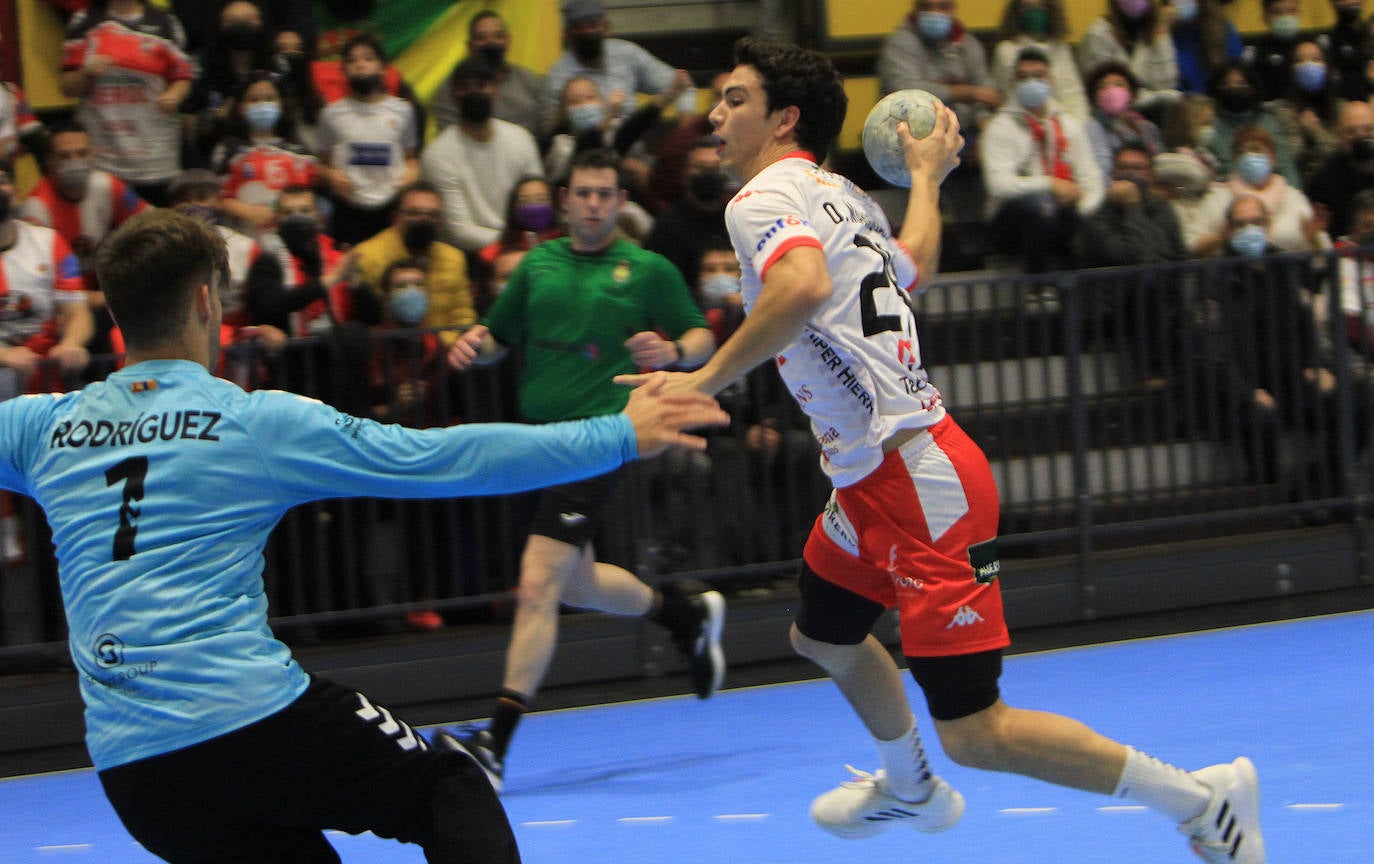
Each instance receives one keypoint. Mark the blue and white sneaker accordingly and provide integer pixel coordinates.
(862, 807)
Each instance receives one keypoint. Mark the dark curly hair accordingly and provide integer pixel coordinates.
(806, 79)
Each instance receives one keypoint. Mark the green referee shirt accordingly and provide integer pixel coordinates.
(572, 312)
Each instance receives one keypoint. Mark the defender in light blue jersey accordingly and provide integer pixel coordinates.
(162, 485)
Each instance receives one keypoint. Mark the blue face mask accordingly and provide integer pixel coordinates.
(934, 25)
(716, 287)
(1032, 92)
(1250, 241)
(1254, 168)
(586, 116)
(1310, 75)
(263, 115)
(409, 305)
(1185, 10)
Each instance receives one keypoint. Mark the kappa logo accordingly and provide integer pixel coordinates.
(964, 617)
(572, 519)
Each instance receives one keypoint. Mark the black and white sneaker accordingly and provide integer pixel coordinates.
(700, 643)
(478, 745)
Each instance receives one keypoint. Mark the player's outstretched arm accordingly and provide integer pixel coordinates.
(659, 418)
(930, 159)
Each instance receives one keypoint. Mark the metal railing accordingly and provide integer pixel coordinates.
(1117, 407)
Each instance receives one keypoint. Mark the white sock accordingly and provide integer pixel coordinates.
(1160, 786)
(907, 772)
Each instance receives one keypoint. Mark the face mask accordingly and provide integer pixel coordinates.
(263, 116)
(587, 46)
(1310, 75)
(533, 217)
(497, 288)
(241, 37)
(1035, 21)
(1254, 168)
(295, 63)
(409, 305)
(365, 85)
(494, 53)
(475, 107)
(934, 25)
(200, 212)
(717, 287)
(1205, 134)
(1237, 100)
(1032, 92)
(1362, 150)
(74, 174)
(1133, 9)
(298, 232)
(1113, 100)
(708, 185)
(1349, 14)
(419, 235)
(586, 117)
(1186, 10)
(1285, 26)
(1250, 241)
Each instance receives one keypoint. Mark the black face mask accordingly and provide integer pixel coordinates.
(300, 234)
(475, 107)
(5, 202)
(588, 45)
(1237, 100)
(494, 53)
(708, 185)
(241, 37)
(1362, 150)
(419, 235)
(294, 64)
(365, 85)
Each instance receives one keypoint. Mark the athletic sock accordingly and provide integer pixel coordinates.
(907, 773)
(673, 610)
(510, 707)
(1160, 786)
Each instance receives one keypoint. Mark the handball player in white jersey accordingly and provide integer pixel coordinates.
(912, 523)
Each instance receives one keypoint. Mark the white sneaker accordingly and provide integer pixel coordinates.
(862, 807)
(1228, 831)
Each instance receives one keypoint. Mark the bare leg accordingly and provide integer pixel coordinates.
(554, 572)
(545, 568)
(868, 677)
(1036, 744)
(606, 587)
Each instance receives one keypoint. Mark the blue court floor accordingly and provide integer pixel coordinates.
(730, 779)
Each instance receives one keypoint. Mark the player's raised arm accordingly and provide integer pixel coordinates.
(930, 159)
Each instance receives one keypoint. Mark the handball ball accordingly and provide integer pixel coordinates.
(882, 145)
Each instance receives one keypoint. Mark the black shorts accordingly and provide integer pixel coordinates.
(330, 760)
(571, 512)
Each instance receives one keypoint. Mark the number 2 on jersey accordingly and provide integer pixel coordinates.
(131, 472)
(868, 306)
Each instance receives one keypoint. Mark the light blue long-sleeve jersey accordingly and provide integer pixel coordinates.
(162, 485)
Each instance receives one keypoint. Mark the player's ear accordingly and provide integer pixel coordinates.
(788, 118)
(203, 301)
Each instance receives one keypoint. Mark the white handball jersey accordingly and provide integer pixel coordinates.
(855, 369)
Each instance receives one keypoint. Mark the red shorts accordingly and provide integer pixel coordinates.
(920, 534)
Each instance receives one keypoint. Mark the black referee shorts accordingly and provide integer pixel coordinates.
(571, 513)
(330, 760)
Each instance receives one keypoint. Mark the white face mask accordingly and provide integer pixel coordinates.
(717, 287)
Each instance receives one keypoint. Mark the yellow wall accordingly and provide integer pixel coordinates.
(40, 50)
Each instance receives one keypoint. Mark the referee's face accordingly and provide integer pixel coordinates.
(593, 199)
